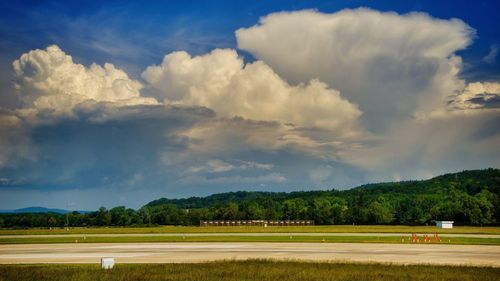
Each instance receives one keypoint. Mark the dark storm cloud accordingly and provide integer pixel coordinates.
(103, 146)
(486, 100)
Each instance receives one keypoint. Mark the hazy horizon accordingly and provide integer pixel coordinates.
(159, 196)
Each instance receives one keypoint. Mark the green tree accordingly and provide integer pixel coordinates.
(294, 209)
(322, 211)
(381, 211)
(145, 214)
(250, 210)
(119, 216)
(272, 209)
(103, 217)
(51, 221)
(231, 212)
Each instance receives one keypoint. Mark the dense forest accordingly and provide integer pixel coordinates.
(468, 198)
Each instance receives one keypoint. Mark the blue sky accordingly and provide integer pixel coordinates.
(148, 31)
(214, 96)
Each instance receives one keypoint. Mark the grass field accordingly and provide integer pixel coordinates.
(325, 239)
(241, 229)
(246, 270)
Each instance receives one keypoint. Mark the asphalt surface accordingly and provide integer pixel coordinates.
(475, 255)
(246, 234)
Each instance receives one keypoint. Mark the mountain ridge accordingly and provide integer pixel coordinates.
(38, 209)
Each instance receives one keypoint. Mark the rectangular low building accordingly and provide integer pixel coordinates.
(444, 224)
(264, 223)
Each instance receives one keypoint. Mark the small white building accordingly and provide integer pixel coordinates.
(444, 224)
(107, 263)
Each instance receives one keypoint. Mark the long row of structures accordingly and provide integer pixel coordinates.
(264, 223)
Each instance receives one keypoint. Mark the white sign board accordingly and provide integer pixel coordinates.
(107, 263)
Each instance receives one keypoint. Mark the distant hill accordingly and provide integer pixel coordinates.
(38, 210)
(217, 199)
(467, 198)
(471, 182)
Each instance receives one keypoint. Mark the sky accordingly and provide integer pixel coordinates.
(112, 103)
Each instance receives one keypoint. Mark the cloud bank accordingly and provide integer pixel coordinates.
(385, 62)
(402, 71)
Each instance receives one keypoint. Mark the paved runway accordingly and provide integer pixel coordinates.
(477, 255)
(246, 234)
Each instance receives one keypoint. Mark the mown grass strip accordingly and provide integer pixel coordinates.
(241, 229)
(264, 270)
(222, 238)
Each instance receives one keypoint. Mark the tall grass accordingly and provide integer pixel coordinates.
(246, 270)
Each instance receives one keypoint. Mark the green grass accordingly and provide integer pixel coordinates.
(247, 270)
(241, 229)
(326, 239)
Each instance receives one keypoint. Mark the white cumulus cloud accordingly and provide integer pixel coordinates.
(49, 81)
(383, 61)
(221, 81)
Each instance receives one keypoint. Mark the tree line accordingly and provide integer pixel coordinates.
(468, 198)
